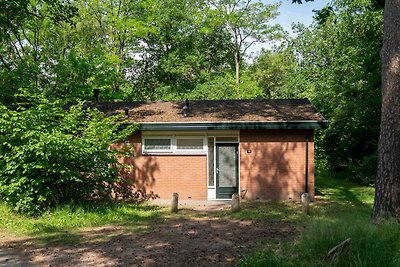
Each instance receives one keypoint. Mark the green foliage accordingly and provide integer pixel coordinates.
(140, 50)
(219, 87)
(347, 73)
(24, 35)
(336, 63)
(182, 49)
(272, 70)
(50, 155)
(343, 210)
(246, 22)
(177, 49)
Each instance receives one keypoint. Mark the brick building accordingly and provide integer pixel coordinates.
(210, 149)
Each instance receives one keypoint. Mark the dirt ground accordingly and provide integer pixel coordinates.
(186, 240)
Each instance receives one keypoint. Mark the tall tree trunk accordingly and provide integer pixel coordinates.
(237, 66)
(387, 194)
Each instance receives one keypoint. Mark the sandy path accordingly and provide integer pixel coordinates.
(176, 241)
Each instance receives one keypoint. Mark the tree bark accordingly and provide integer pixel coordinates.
(237, 66)
(387, 193)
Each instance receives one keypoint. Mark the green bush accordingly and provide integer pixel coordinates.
(51, 155)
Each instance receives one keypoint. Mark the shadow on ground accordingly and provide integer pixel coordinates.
(174, 241)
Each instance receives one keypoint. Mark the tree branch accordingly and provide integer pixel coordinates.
(16, 49)
(16, 34)
(246, 6)
(247, 46)
(247, 35)
(4, 63)
(234, 6)
(26, 37)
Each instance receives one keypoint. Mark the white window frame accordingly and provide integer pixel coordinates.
(202, 150)
(174, 150)
(158, 151)
(214, 162)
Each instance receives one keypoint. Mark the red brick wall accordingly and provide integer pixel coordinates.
(166, 174)
(275, 167)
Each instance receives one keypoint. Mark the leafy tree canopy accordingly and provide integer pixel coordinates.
(50, 155)
(336, 63)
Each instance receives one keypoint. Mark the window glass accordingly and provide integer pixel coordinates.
(211, 161)
(189, 143)
(157, 144)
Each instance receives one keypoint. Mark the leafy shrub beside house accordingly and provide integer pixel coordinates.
(50, 155)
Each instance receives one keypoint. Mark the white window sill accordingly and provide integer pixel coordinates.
(180, 153)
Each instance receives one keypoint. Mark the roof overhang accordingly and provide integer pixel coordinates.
(245, 125)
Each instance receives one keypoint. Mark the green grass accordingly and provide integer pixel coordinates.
(69, 218)
(342, 211)
(336, 187)
(270, 210)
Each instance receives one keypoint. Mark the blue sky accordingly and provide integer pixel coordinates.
(291, 13)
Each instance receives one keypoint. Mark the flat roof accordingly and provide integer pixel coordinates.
(216, 110)
(219, 114)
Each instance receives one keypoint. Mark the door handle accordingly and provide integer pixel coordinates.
(217, 170)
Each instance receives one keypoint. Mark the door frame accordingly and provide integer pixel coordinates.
(216, 165)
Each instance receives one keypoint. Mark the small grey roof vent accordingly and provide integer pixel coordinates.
(186, 109)
(187, 103)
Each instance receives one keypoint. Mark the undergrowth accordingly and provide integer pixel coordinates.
(342, 210)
